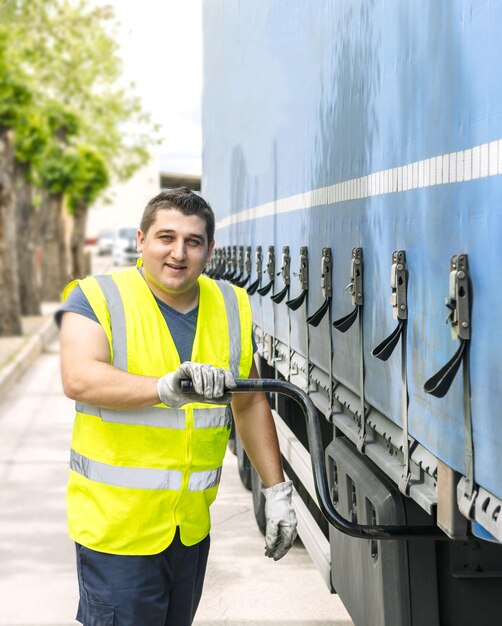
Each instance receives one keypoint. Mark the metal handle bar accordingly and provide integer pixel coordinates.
(319, 467)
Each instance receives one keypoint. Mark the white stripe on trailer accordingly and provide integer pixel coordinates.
(456, 167)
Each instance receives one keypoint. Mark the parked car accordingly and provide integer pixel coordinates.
(124, 246)
(105, 242)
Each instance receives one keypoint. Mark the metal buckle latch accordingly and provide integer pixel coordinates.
(303, 274)
(326, 271)
(259, 271)
(459, 305)
(458, 301)
(398, 285)
(285, 273)
(355, 288)
(245, 269)
(270, 271)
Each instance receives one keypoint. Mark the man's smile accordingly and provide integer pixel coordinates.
(176, 268)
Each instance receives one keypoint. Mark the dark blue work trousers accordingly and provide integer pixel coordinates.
(156, 590)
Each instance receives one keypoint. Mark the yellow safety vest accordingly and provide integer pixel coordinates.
(135, 475)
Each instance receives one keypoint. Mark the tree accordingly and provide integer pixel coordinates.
(71, 52)
(66, 56)
(54, 169)
(14, 98)
(90, 177)
(31, 137)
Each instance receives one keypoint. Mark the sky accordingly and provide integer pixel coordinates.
(161, 48)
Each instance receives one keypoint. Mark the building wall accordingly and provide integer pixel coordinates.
(124, 202)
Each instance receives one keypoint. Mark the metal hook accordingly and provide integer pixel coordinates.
(399, 285)
(326, 271)
(459, 304)
(304, 280)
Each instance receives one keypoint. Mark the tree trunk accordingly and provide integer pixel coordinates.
(54, 258)
(28, 243)
(79, 264)
(10, 310)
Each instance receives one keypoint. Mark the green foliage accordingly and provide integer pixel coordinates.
(90, 177)
(59, 72)
(32, 135)
(41, 142)
(62, 122)
(13, 97)
(56, 170)
(14, 94)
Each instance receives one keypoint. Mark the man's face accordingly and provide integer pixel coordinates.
(175, 251)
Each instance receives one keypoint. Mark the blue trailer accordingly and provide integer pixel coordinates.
(352, 151)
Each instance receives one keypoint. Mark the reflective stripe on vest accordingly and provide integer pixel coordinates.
(118, 322)
(199, 481)
(160, 417)
(212, 418)
(141, 478)
(234, 325)
(117, 318)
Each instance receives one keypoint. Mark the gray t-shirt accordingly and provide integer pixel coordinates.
(182, 326)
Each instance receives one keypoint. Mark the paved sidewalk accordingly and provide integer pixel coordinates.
(18, 353)
(37, 558)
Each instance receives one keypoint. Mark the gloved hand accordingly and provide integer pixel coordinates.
(281, 520)
(209, 383)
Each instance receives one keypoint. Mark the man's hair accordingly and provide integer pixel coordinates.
(181, 199)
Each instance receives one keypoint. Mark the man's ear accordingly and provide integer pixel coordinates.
(140, 240)
(210, 251)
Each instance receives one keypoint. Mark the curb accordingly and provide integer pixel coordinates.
(30, 351)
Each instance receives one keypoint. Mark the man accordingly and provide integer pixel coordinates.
(146, 458)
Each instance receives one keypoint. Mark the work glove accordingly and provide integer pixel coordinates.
(281, 520)
(208, 382)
